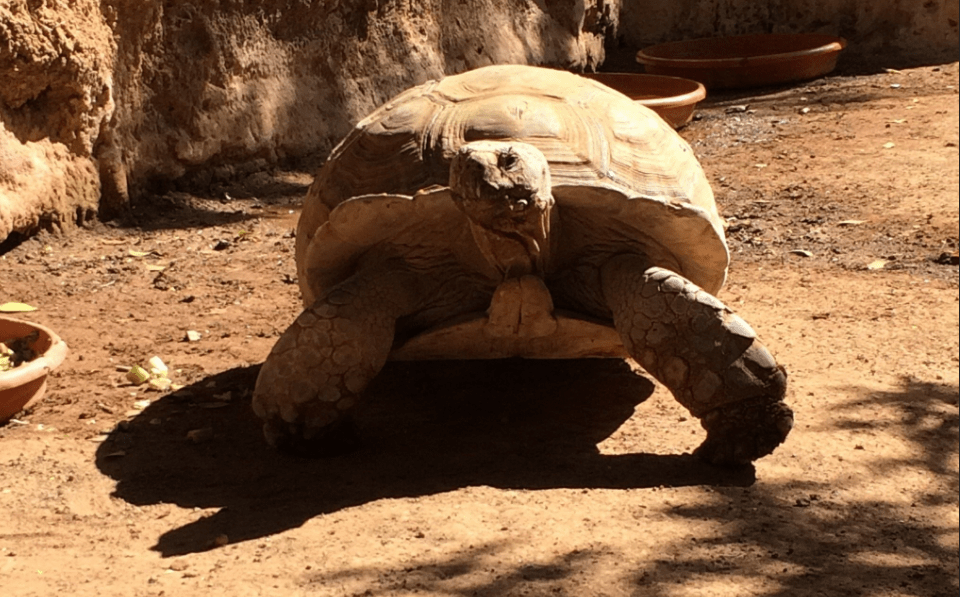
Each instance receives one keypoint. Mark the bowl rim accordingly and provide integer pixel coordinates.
(825, 44)
(697, 94)
(46, 362)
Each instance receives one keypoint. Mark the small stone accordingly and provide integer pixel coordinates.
(199, 436)
(192, 336)
(179, 565)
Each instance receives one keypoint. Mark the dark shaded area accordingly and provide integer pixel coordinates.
(826, 545)
(205, 202)
(928, 418)
(426, 428)
(798, 539)
(557, 576)
(13, 240)
(813, 546)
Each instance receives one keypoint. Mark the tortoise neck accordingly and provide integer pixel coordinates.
(518, 252)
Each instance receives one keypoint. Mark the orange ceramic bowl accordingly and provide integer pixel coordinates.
(22, 386)
(745, 60)
(673, 98)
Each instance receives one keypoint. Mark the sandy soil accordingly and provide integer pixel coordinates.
(518, 478)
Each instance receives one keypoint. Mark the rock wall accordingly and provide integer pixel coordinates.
(55, 94)
(101, 100)
(910, 31)
(132, 94)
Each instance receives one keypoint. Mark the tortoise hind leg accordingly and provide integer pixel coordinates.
(706, 355)
(315, 373)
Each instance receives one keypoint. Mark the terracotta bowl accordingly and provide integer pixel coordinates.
(673, 98)
(745, 60)
(22, 386)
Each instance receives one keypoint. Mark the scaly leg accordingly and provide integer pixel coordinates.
(315, 373)
(706, 355)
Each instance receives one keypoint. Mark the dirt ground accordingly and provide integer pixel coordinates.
(518, 477)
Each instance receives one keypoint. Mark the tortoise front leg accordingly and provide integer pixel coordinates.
(705, 354)
(316, 371)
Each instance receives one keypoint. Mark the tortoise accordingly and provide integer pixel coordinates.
(516, 211)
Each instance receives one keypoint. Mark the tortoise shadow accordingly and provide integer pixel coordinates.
(426, 428)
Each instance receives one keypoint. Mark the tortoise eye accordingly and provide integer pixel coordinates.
(508, 161)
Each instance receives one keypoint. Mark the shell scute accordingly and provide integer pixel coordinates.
(628, 176)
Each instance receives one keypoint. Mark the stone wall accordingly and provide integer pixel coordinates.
(126, 95)
(55, 94)
(104, 100)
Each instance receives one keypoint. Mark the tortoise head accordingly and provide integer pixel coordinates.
(504, 190)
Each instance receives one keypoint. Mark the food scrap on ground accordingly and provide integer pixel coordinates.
(155, 375)
(16, 351)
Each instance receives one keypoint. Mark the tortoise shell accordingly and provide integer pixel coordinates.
(616, 166)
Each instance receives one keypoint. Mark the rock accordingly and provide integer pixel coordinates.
(104, 101)
(179, 565)
(42, 181)
(199, 436)
(55, 63)
(101, 101)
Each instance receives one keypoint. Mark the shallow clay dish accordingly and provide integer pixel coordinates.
(673, 98)
(22, 386)
(745, 60)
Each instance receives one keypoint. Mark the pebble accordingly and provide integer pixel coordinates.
(199, 436)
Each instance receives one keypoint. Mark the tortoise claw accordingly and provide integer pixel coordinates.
(740, 433)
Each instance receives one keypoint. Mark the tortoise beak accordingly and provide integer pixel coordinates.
(504, 189)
